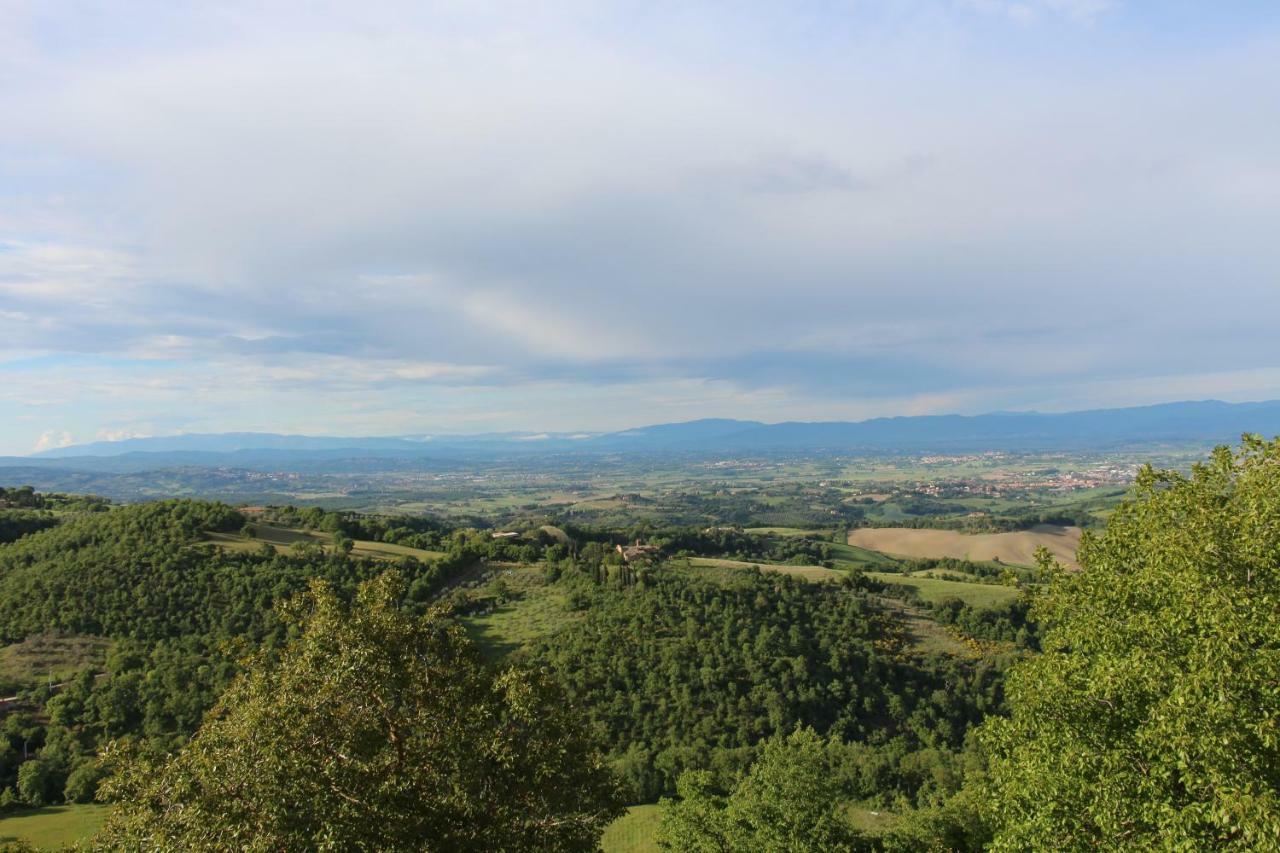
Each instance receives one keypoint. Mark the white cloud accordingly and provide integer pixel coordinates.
(119, 434)
(257, 210)
(49, 439)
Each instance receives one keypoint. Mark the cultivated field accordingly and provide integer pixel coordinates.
(811, 573)
(1018, 547)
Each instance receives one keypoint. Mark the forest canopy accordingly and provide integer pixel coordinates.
(1152, 717)
(265, 695)
(374, 730)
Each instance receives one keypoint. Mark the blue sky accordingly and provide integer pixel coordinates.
(408, 218)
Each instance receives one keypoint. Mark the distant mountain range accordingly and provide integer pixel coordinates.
(1208, 422)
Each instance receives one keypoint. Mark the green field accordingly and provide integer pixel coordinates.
(535, 611)
(788, 531)
(933, 590)
(634, 832)
(52, 827)
(863, 558)
(637, 830)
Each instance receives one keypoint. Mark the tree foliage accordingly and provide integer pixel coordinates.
(683, 671)
(1152, 719)
(374, 730)
(788, 801)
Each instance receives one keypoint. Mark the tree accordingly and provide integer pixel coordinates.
(22, 728)
(1152, 719)
(82, 782)
(375, 730)
(9, 799)
(36, 783)
(788, 801)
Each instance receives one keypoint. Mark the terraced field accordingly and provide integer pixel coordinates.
(52, 657)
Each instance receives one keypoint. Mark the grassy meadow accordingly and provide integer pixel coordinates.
(535, 610)
(933, 590)
(634, 832)
(52, 827)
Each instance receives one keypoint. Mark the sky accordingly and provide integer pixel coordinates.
(385, 218)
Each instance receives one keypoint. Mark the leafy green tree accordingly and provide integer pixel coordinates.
(82, 782)
(36, 783)
(955, 825)
(696, 820)
(1152, 719)
(500, 590)
(9, 799)
(374, 730)
(687, 667)
(788, 801)
(23, 729)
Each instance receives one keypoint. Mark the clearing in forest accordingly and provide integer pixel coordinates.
(634, 832)
(52, 657)
(933, 590)
(535, 611)
(52, 827)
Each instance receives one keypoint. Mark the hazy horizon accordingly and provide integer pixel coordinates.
(437, 217)
(534, 435)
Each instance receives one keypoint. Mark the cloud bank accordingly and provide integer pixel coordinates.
(389, 218)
